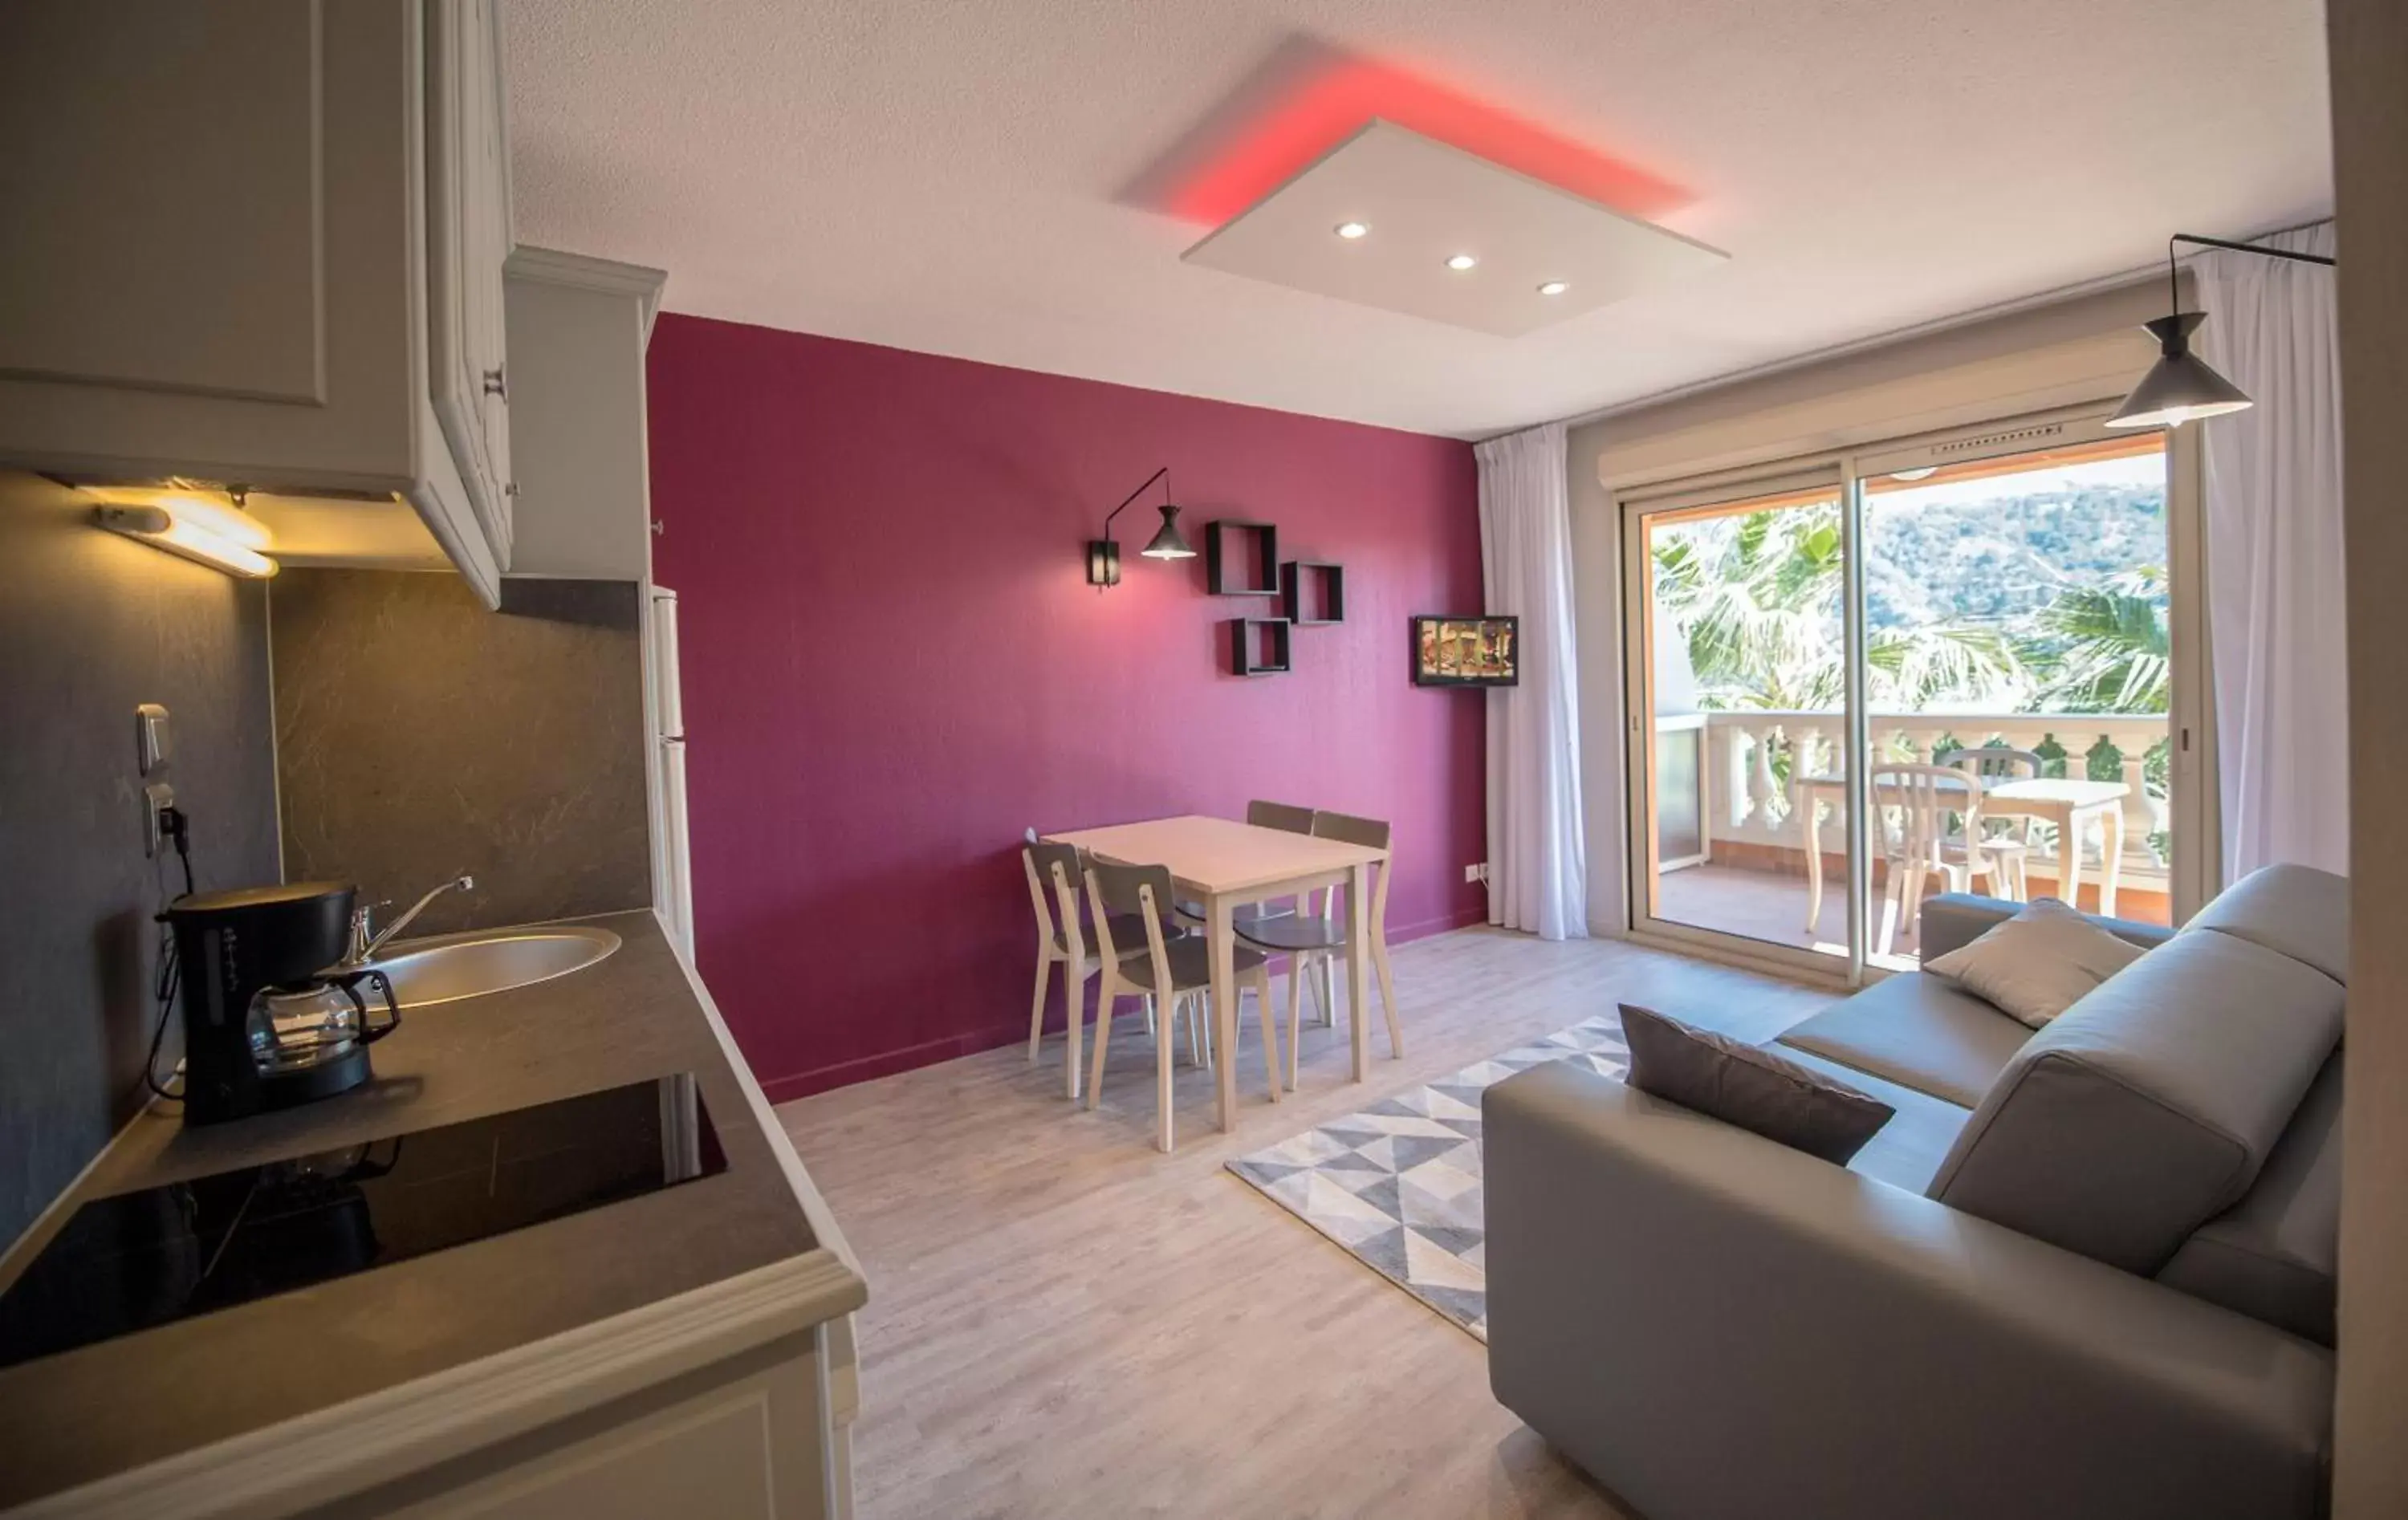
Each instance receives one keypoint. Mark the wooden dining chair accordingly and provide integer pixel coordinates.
(1176, 972)
(1912, 803)
(1317, 942)
(1054, 871)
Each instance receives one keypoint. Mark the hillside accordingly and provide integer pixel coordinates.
(2002, 559)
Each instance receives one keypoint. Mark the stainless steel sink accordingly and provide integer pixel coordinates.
(456, 966)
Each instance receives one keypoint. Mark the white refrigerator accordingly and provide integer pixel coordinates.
(672, 877)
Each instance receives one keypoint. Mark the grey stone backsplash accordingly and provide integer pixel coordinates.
(421, 736)
(90, 625)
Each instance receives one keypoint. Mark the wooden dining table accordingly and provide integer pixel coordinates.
(1224, 865)
(2068, 803)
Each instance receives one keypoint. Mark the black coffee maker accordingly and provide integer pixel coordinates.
(271, 1019)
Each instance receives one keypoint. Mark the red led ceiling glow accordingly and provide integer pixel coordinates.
(1329, 101)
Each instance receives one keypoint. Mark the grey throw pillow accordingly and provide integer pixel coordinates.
(1752, 1088)
(2037, 964)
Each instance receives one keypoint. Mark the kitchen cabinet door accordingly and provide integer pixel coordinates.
(751, 1441)
(262, 245)
(468, 239)
(206, 241)
(576, 333)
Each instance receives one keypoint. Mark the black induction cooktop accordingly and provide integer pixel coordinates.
(136, 1260)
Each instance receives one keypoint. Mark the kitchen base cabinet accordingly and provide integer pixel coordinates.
(262, 245)
(687, 1351)
(745, 1440)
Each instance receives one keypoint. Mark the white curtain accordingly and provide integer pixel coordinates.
(2274, 557)
(1537, 872)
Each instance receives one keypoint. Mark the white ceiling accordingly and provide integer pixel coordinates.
(953, 176)
(1415, 204)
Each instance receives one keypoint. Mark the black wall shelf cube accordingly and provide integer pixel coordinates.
(1241, 558)
(1314, 591)
(1259, 646)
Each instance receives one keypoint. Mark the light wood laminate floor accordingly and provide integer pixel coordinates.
(1064, 1322)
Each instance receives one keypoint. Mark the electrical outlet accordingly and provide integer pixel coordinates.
(157, 798)
(1476, 873)
(152, 746)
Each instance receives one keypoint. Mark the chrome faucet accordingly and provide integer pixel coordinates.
(364, 947)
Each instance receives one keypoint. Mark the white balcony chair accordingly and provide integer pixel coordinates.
(1993, 763)
(1911, 803)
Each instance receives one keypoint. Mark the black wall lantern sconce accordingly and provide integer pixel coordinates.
(2180, 387)
(1104, 555)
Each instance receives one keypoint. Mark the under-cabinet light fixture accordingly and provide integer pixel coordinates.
(221, 537)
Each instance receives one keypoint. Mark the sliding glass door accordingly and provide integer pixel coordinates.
(1967, 640)
(1738, 700)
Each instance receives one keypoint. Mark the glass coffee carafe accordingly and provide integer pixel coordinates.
(291, 1029)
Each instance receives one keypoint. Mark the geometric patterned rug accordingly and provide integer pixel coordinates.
(1398, 1184)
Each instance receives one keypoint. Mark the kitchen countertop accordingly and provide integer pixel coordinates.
(107, 1408)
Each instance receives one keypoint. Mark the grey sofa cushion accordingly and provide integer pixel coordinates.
(1953, 920)
(2273, 1255)
(1741, 1084)
(2151, 1104)
(1910, 1147)
(1919, 1031)
(2297, 910)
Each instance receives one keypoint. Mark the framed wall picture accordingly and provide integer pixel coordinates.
(1467, 651)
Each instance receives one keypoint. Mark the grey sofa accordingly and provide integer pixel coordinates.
(2086, 1272)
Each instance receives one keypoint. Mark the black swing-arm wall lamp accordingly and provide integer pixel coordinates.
(2180, 387)
(1104, 555)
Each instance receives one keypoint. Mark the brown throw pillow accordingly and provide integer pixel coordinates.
(1752, 1088)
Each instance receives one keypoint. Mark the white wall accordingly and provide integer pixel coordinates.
(2083, 348)
(2369, 49)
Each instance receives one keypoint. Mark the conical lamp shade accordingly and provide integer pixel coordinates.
(2180, 387)
(1167, 543)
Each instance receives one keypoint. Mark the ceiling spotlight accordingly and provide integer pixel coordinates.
(1555, 287)
(1352, 230)
(1461, 261)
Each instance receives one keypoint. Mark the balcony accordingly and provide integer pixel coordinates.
(1732, 842)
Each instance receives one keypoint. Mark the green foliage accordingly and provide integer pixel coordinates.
(2047, 601)
(2104, 648)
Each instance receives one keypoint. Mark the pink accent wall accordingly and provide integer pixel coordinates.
(893, 665)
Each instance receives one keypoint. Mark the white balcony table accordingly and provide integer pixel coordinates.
(2067, 803)
(1224, 865)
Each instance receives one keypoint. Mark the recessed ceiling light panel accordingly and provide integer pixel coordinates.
(1543, 253)
(1352, 230)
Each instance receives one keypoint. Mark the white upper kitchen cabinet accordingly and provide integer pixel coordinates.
(261, 245)
(578, 329)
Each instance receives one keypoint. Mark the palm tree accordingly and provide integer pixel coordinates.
(1757, 601)
(2105, 649)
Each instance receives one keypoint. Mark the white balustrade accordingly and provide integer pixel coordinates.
(1753, 755)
